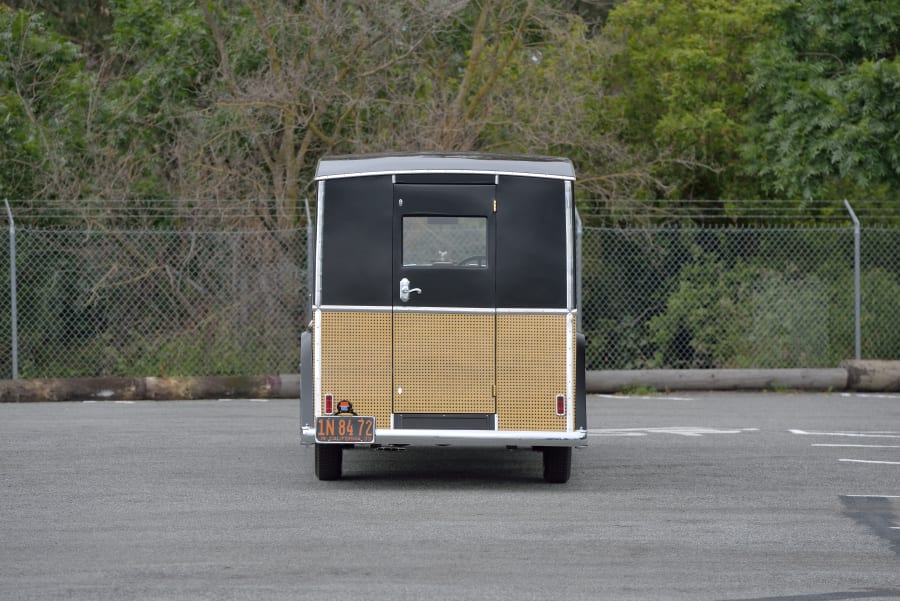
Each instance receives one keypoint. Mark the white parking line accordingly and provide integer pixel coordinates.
(874, 496)
(648, 398)
(867, 461)
(859, 446)
(677, 430)
(858, 395)
(892, 434)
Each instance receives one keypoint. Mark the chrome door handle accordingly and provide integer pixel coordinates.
(405, 290)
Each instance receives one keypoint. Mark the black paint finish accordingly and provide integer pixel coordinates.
(445, 287)
(444, 421)
(531, 243)
(356, 243)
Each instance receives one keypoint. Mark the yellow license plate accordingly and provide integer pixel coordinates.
(345, 429)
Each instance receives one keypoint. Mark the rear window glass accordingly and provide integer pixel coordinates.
(440, 242)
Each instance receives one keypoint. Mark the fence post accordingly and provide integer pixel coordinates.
(14, 317)
(856, 281)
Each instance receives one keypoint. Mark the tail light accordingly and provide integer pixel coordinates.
(329, 404)
(560, 404)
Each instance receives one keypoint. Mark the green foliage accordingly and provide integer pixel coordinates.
(639, 390)
(43, 104)
(85, 22)
(880, 292)
(826, 90)
(703, 324)
(748, 314)
(163, 53)
(682, 74)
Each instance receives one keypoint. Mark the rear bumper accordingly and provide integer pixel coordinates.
(471, 438)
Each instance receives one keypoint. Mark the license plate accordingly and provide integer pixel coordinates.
(345, 428)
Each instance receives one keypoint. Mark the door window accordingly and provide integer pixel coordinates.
(443, 242)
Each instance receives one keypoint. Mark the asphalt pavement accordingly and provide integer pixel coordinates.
(690, 496)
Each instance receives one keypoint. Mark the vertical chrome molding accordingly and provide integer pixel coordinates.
(570, 304)
(320, 217)
(570, 259)
(317, 312)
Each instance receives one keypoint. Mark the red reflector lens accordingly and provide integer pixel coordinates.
(329, 404)
(560, 404)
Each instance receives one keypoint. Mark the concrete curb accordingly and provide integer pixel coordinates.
(859, 376)
(151, 389)
(717, 379)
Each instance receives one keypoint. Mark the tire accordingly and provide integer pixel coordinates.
(329, 458)
(557, 464)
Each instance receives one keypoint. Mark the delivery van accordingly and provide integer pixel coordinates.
(444, 307)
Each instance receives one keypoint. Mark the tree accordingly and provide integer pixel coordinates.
(682, 75)
(44, 91)
(826, 95)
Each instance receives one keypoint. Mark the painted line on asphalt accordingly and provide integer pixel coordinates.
(677, 431)
(874, 496)
(869, 395)
(646, 398)
(892, 434)
(859, 446)
(868, 461)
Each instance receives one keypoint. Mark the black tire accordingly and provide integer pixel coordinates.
(329, 458)
(557, 464)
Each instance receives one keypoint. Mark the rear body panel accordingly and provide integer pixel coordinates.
(445, 301)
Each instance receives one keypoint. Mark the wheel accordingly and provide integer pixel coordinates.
(329, 458)
(557, 464)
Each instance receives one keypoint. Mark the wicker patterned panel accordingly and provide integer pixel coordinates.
(531, 371)
(444, 362)
(356, 362)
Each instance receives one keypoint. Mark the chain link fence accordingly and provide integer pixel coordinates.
(709, 297)
(147, 303)
(194, 302)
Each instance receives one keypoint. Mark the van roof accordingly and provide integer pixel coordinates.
(333, 167)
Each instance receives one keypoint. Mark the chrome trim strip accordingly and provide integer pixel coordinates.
(528, 311)
(485, 310)
(358, 308)
(382, 435)
(570, 259)
(320, 216)
(317, 300)
(477, 310)
(443, 171)
(482, 438)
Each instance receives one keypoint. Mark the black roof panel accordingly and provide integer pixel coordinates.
(333, 167)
